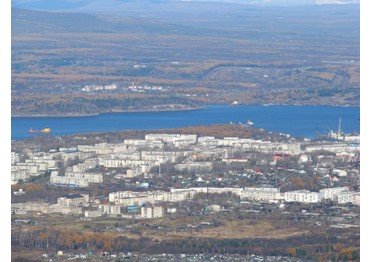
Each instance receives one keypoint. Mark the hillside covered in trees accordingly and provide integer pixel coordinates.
(249, 54)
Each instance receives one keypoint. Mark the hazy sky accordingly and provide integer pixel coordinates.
(258, 2)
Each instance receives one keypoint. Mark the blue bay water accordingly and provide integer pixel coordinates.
(298, 121)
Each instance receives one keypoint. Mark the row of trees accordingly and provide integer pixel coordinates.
(308, 247)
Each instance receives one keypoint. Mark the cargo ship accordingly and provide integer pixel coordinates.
(45, 130)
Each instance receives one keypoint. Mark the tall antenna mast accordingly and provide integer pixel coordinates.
(339, 128)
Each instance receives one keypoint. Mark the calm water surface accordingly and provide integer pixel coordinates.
(299, 121)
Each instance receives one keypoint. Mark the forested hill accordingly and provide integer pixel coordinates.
(187, 51)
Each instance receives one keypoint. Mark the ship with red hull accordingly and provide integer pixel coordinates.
(45, 130)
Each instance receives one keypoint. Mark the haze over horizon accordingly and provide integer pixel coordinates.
(94, 5)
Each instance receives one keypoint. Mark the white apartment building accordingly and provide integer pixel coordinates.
(302, 196)
(150, 211)
(92, 213)
(140, 143)
(111, 161)
(130, 201)
(110, 209)
(120, 195)
(17, 175)
(207, 141)
(73, 200)
(31, 168)
(195, 166)
(127, 198)
(176, 139)
(14, 158)
(259, 194)
(347, 197)
(211, 190)
(332, 147)
(67, 181)
(88, 164)
(331, 193)
(161, 156)
(76, 154)
(99, 149)
(43, 164)
(90, 177)
(264, 146)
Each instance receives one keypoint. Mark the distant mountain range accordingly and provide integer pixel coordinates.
(113, 5)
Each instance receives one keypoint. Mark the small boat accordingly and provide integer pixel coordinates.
(250, 123)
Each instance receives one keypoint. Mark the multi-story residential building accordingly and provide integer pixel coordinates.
(140, 143)
(99, 149)
(347, 197)
(332, 147)
(90, 177)
(331, 193)
(33, 169)
(195, 167)
(206, 190)
(178, 140)
(152, 211)
(113, 162)
(120, 195)
(127, 198)
(87, 165)
(161, 156)
(110, 209)
(14, 158)
(69, 181)
(71, 155)
(263, 146)
(302, 196)
(75, 179)
(207, 141)
(259, 194)
(55, 179)
(73, 200)
(92, 213)
(130, 201)
(17, 175)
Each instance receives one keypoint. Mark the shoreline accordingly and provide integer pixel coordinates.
(169, 110)
(112, 112)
